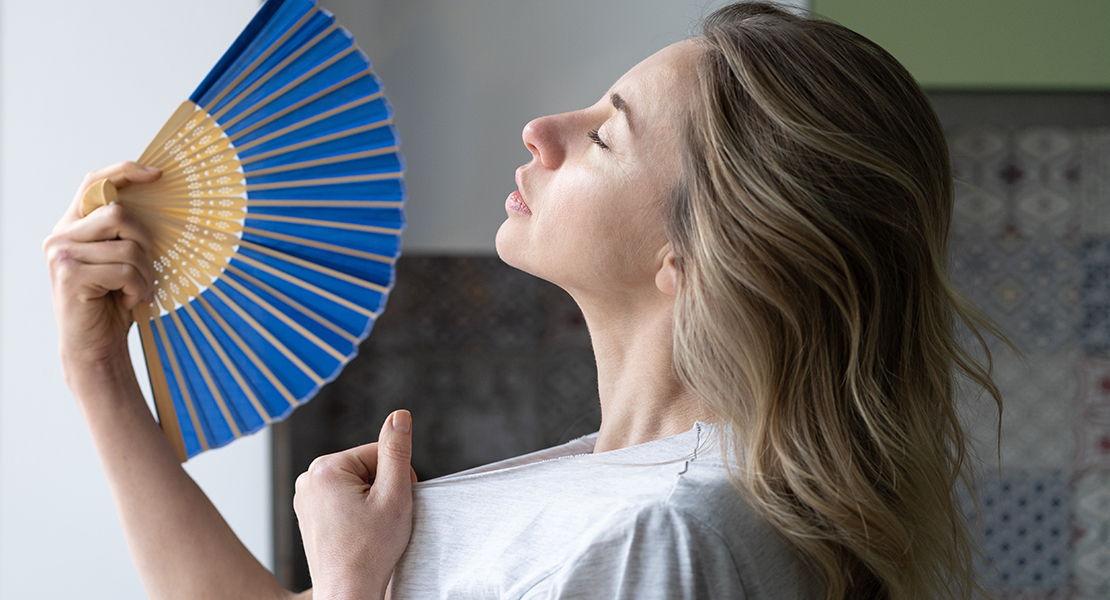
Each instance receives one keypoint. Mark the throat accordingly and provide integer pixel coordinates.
(641, 397)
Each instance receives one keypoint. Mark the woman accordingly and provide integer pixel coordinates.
(754, 223)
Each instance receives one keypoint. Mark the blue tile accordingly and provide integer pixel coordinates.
(1024, 531)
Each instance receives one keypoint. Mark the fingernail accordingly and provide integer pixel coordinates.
(402, 421)
(150, 168)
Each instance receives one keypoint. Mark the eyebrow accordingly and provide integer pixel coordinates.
(621, 105)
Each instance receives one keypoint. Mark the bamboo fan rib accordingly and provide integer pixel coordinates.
(277, 222)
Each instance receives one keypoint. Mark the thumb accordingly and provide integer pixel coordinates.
(395, 453)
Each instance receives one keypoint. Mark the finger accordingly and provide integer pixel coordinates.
(120, 174)
(121, 252)
(395, 454)
(110, 223)
(124, 174)
(95, 281)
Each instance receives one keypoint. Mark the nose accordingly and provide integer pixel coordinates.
(545, 140)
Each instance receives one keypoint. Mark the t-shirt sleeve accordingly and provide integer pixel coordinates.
(645, 554)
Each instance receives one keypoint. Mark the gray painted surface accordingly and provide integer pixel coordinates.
(1022, 109)
(466, 76)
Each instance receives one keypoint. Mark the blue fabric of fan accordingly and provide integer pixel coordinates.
(270, 397)
(268, 24)
(369, 270)
(345, 293)
(374, 165)
(375, 139)
(375, 113)
(263, 81)
(341, 84)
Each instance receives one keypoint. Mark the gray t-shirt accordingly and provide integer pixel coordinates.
(658, 520)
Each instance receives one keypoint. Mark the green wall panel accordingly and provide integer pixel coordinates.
(988, 44)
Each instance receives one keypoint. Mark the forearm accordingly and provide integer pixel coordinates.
(181, 545)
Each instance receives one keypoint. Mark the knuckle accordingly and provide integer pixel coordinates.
(62, 263)
(52, 248)
(127, 272)
(113, 212)
(62, 276)
(62, 256)
(323, 465)
(133, 252)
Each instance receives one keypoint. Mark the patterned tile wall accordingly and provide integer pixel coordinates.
(1031, 246)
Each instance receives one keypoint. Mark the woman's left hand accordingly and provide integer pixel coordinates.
(355, 513)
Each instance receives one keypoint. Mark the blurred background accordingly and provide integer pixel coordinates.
(493, 362)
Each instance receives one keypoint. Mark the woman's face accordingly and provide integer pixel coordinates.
(589, 212)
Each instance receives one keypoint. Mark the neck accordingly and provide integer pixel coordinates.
(641, 397)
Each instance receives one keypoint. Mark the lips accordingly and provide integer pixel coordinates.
(515, 202)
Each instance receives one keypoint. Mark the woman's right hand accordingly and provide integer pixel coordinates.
(99, 271)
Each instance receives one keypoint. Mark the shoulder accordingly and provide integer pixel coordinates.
(766, 561)
(646, 551)
(699, 540)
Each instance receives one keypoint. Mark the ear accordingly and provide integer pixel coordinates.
(666, 278)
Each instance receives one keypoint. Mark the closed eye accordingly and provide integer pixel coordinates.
(595, 137)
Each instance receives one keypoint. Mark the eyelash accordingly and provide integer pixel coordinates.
(596, 138)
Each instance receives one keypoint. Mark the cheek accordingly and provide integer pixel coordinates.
(595, 236)
(611, 241)
(569, 237)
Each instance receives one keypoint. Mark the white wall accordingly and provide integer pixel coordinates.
(84, 84)
(465, 76)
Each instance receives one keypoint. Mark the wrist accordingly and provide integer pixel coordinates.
(87, 377)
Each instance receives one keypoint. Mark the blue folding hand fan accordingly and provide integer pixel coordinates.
(277, 223)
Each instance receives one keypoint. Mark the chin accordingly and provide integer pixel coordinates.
(499, 240)
(507, 248)
(511, 245)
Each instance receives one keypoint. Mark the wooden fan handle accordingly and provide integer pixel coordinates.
(101, 193)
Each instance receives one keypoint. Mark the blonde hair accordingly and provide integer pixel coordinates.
(814, 314)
